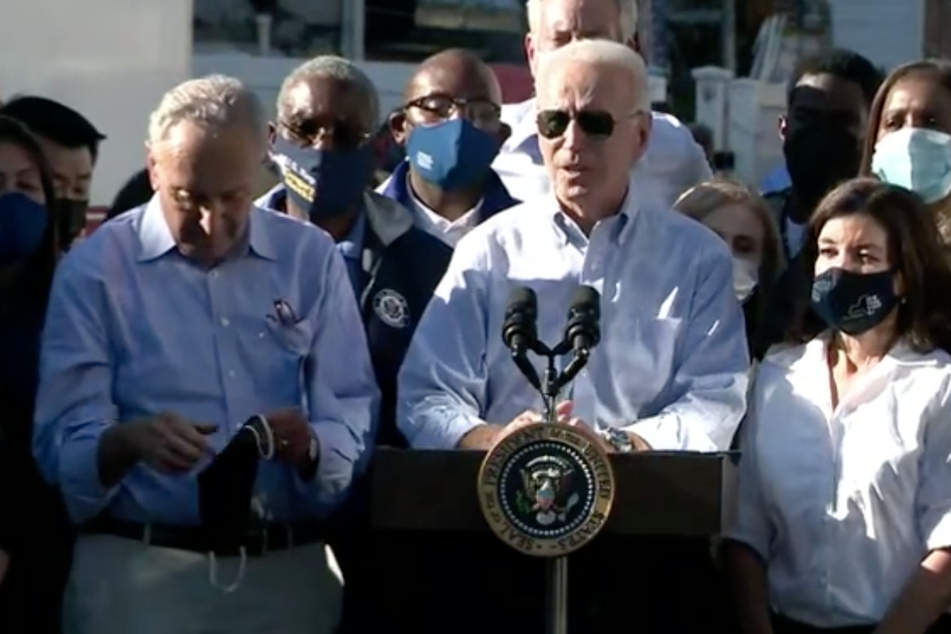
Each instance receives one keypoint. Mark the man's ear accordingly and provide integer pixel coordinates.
(782, 126)
(530, 52)
(271, 132)
(398, 126)
(150, 166)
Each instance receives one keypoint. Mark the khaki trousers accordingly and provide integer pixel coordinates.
(122, 586)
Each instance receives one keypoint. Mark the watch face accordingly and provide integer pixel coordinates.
(312, 450)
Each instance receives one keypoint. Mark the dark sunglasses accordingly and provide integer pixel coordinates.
(595, 123)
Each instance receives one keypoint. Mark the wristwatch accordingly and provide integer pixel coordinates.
(617, 439)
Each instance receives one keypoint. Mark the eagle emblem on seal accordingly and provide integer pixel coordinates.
(547, 490)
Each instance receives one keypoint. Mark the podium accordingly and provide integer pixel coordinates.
(675, 494)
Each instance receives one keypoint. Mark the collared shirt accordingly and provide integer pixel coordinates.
(672, 163)
(495, 198)
(672, 361)
(843, 503)
(350, 247)
(135, 329)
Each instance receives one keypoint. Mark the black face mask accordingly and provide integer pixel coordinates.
(70, 217)
(819, 155)
(853, 303)
(225, 489)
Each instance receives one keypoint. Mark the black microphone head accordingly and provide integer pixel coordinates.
(519, 330)
(584, 317)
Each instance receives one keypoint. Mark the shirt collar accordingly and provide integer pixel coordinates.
(495, 196)
(155, 238)
(814, 353)
(352, 244)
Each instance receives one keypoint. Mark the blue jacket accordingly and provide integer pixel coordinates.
(401, 266)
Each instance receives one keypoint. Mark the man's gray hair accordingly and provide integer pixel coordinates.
(213, 102)
(627, 14)
(335, 68)
(602, 53)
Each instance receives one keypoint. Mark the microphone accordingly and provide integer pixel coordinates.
(520, 330)
(583, 331)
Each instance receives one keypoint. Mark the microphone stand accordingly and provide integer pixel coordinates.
(556, 568)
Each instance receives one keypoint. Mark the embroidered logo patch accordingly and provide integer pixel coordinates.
(392, 308)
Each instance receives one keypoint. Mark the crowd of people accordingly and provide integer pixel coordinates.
(192, 394)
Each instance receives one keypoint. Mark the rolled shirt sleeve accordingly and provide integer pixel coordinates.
(342, 393)
(74, 406)
(711, 379)
(934, 487)
(441, 393)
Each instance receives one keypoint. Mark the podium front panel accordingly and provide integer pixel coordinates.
(658, 493)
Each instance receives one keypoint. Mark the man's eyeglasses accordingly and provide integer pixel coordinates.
(594, 123)
(438, 107)
(342, 135)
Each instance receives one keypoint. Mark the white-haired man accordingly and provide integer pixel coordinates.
(672, 161)
(189, 381)
(670, 371)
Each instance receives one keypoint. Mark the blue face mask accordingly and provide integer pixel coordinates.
(917, 159)
(23, 223)
(451, 155)
(324, 183)
(851, 302)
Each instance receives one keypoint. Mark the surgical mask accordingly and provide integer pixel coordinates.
(819, 156)
(917, 159)
(451, 155)
(851, 302)
(324, 183)
(745, 278)
(225, 492)
(23, 223)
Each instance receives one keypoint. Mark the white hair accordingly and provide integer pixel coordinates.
(339, 69)
(599, 53)
(213, 101)
(627, 16)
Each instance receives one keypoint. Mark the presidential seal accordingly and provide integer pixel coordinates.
(546, 489)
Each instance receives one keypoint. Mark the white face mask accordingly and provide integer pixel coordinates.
(745, 277)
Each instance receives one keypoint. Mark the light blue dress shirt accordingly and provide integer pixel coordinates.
(135, 329)
(672, 362)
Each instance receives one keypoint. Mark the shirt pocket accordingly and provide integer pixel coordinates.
(295, 339)
(642, 353)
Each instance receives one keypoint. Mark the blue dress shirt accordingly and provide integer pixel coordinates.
(134, 329)
(672, 362)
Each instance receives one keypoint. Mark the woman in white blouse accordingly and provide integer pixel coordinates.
(843, 519)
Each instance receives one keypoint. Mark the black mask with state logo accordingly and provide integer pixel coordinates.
(225, 489)
(819, 154)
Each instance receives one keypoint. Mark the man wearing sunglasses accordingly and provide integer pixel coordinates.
(673, 161)
(327, 112)
(451, 129)
(670, 372)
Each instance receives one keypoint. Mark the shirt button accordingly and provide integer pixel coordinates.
(231, 373)
(225, 322)
(214, 274)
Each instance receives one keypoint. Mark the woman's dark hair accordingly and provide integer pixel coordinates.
(137, 191)
(40, 268)
(937, 69)
(924, 314)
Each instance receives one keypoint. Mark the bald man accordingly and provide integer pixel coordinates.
(450, 125)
